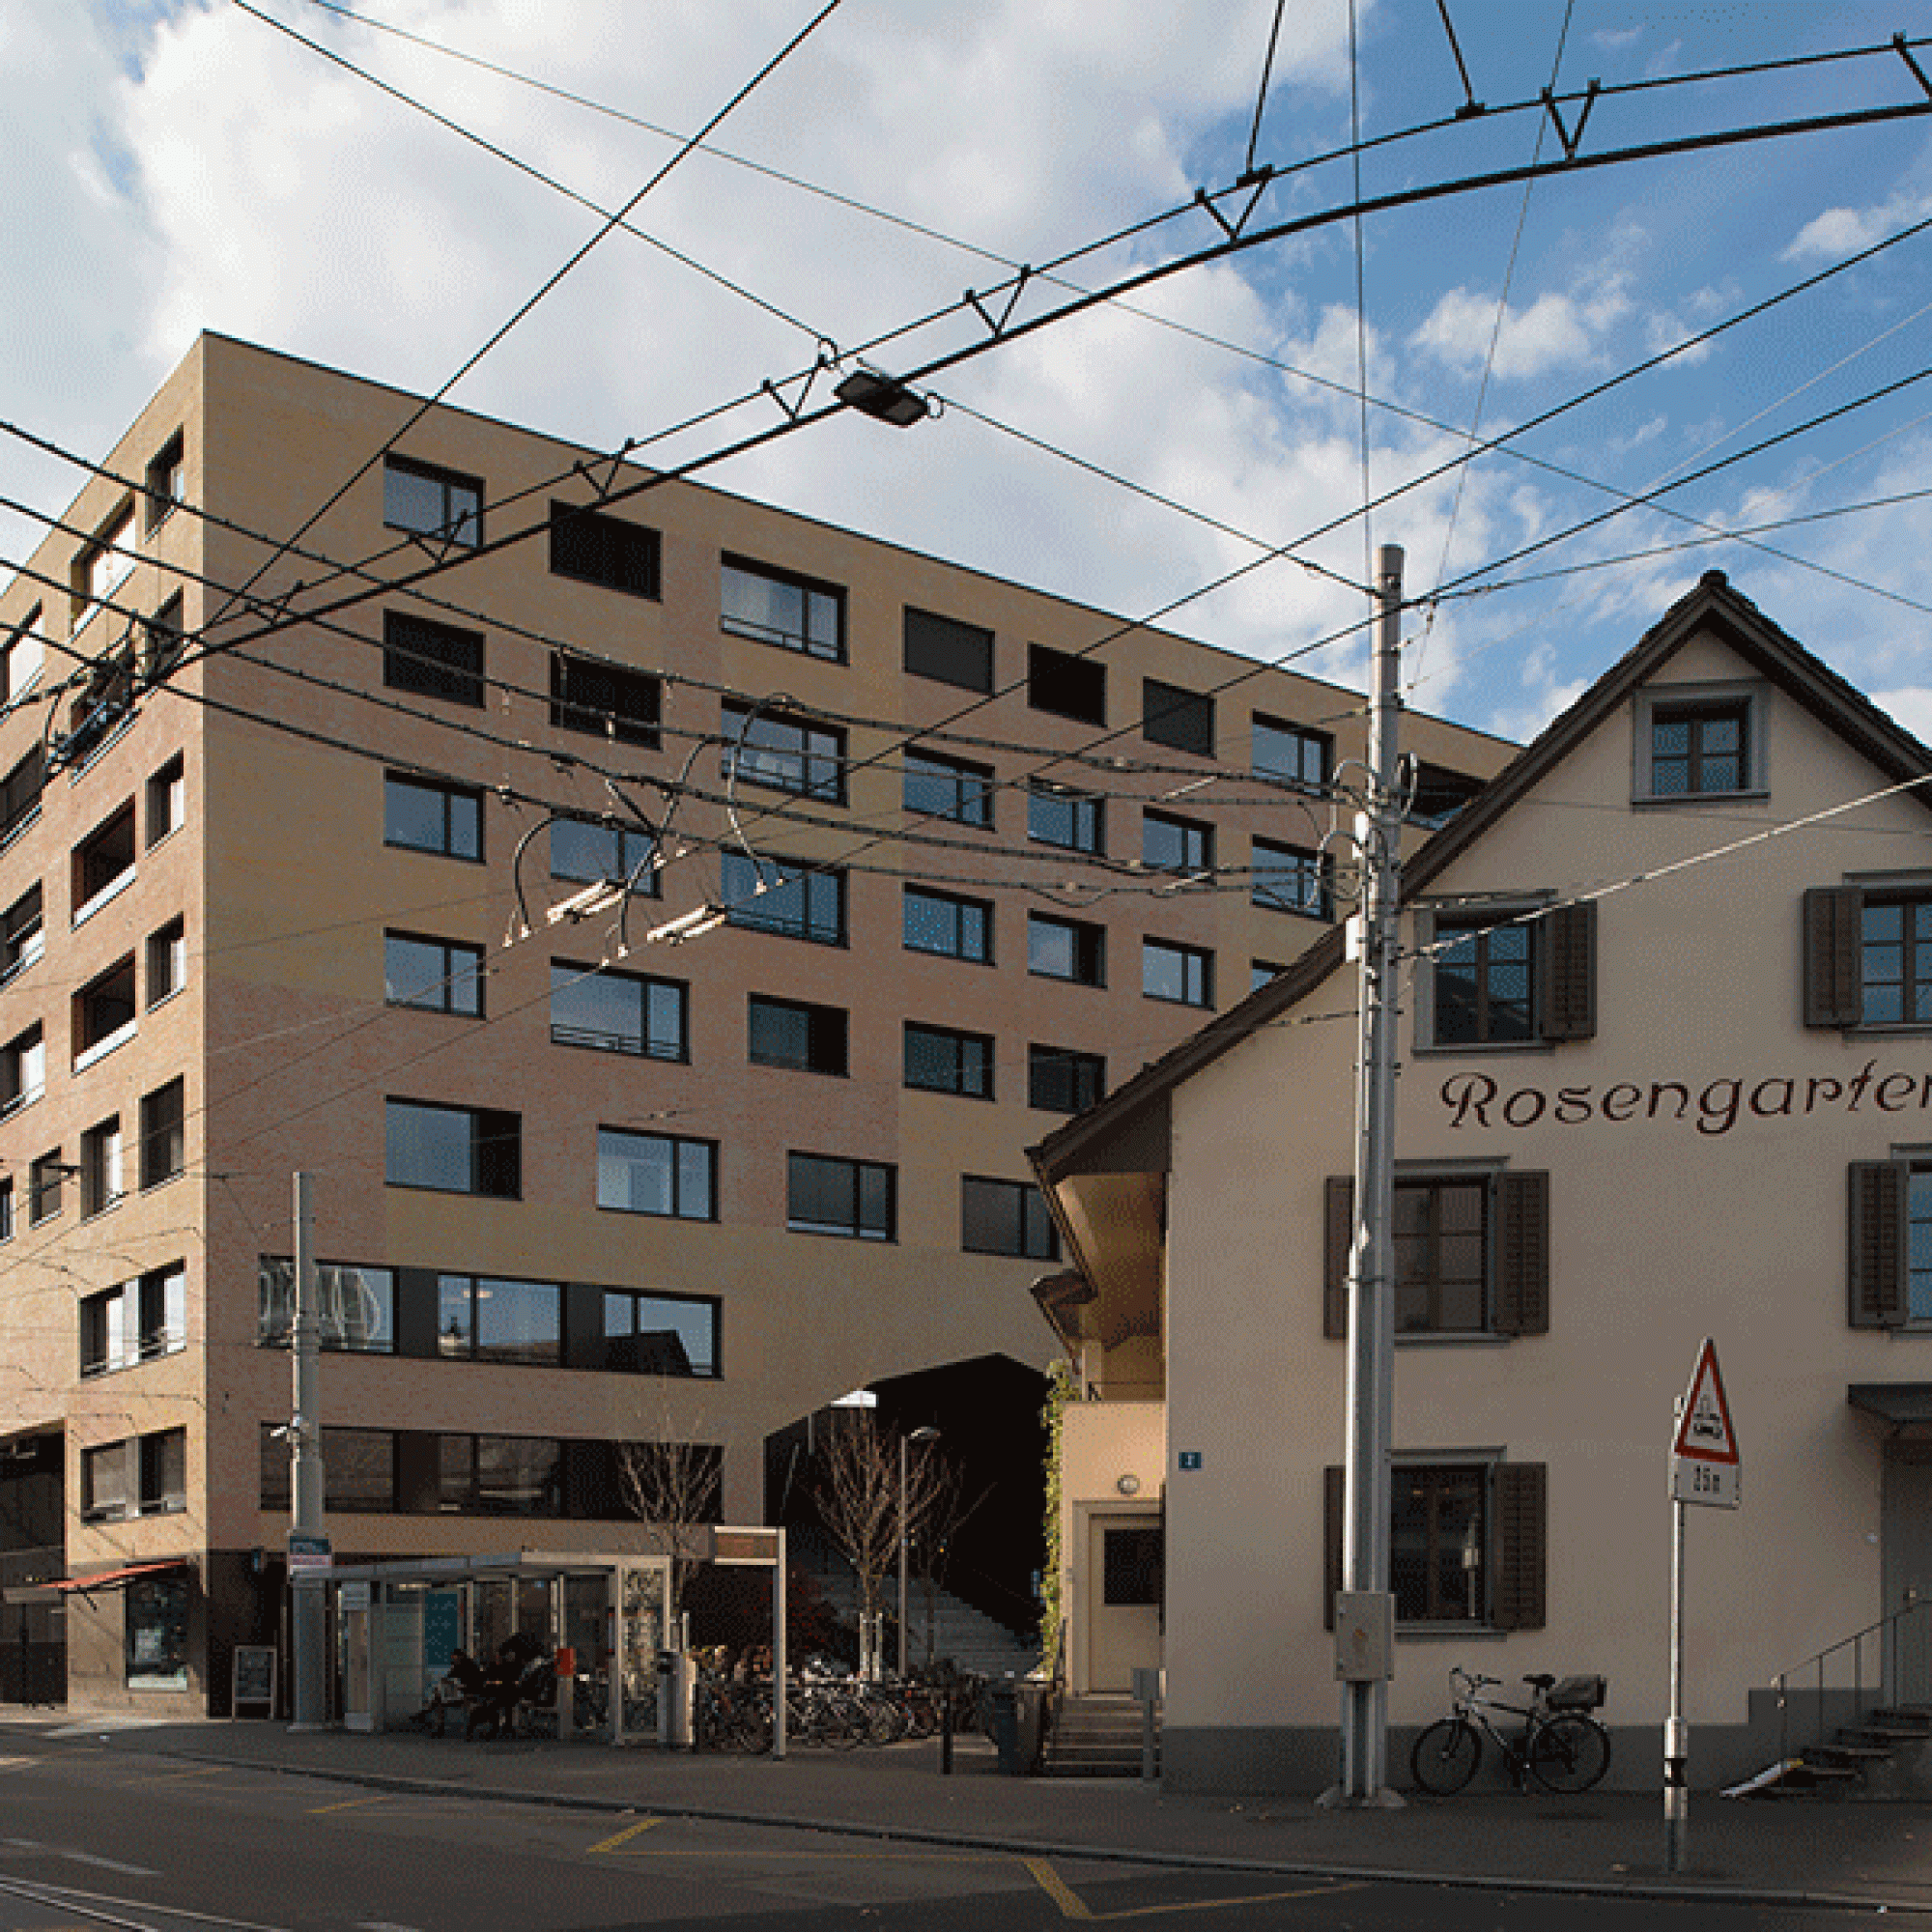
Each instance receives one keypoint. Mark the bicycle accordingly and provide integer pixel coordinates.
(1560, 1746)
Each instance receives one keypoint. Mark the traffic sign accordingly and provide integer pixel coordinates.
(1704, 1463)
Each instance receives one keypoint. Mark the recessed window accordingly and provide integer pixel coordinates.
(163, 1134)
(618, 1013)
(421, 815)
(1290, 878)
(102, 1184)
(1183, 974)
(356, 1307)
(1439, 1543)
(603, 700)
(942, 1060)
(44, 1180)
(163, 638)
(794, 1034)
(103, 701)
(22, 657)
(1895, 960)
(784, 896)
(103, 567)
(1005, 1217)
(443, 505)
(434, 660)
(949, 652)
(1485, 980)
(1439, 794)
(21, 792)
(667, 1175)
(595, 548)
(1171, 844)
(136, 1321)
(105, 1014)
(103, 863)
(1058, 816)
(146, 1475)
(942, 787)
(7, 1209)
(1292, 751)
(437, 976)
(783, 753)
(1067, 948)
(1181, 719)
(454, 1150)
(23, 935)
(164, 480)
(167, 801)
(1066, 685)
(945, 924)
(1061, 1080)
(659, 1335)
(593, 852)
(853, 1198)
(23, 1069)
(775, 608)
(167, 961)
(500, 1475)
(1699, 749)
(495, 1319)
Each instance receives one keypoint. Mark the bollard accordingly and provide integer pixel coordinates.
(946, 1735)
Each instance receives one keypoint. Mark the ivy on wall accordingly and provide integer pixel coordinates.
(1060, 1391)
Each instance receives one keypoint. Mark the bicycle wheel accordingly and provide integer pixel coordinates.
(1445, 1756)
(1569, 1753)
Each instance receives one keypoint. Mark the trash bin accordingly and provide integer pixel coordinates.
(1003, 1699)
(677, 1681)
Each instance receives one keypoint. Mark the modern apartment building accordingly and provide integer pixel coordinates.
(658, 923)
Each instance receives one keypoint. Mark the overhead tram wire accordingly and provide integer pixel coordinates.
(1361, 301)
(1262, 92)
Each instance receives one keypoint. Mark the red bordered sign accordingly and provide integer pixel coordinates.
(1704, 1462)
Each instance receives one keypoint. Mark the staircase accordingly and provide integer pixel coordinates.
(1861, 1760)
(1097, 1737)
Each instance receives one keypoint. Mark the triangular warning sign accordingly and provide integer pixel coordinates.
(1704, 1431)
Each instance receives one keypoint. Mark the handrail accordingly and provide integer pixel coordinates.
(1887, 1635)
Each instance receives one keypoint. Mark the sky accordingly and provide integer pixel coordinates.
(181, 165)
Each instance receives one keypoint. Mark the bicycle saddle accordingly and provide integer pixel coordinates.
(1542, 1680)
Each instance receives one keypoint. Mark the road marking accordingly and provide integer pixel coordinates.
(627, 1833)
(108, 1864)
(17, 1762)
(347, 1805)
(1073, 1906)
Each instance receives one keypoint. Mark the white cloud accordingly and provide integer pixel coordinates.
(1847, 231)
(1555, 331)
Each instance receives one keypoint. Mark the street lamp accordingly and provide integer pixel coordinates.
(927, 1434)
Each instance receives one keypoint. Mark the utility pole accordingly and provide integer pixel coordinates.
(308, 1625)
(1365, 1610)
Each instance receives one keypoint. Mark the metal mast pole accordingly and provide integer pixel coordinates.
(306, 1469)
(1365, 1547)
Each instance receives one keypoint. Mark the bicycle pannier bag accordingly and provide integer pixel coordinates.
(1578, 1693)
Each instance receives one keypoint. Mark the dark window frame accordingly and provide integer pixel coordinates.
(1063, 1076)
(958, 907)
(1177, 718)
(948, 650)
(1088, 940)
(1308, 896)
(680, 1145)
(856, 1226)
(1067, 684)
(1194, 839)
(784, 751)
(431, 659)
(495, 1137)
(752, 900)
(955, 789)
(813, 593)
(953, 1060)
(450, 793)
(827, 1036)
(445, 993)
(589, 546)
(1195, 964)
(1067, 820)
(1009, 1218)
(458, 524)
(647, 1041)
(597, 697)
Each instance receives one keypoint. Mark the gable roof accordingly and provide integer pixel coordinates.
(1713, 607)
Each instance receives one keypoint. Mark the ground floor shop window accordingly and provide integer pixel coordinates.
(158, 1633)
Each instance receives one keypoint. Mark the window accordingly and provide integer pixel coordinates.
(167, 801)
(356, 1307)
(103, 567)
(1005, 1217)
(43, 1187)
(1289, 878)
(7, 1209)
(807, 902)
(1440, 794)
(163, 1134)
(454, 1150)
(783, 753)
(23, 935)
(427, 502)
(618, 1013)
(156, 1633)
(594, 852)
(1169, 844)
(949, 652)
(163, 638)
(775, 608)
(434, 660)
(164, 480)
(1500, 977)
(957, 928)
(1868, 954)
(101, 1175)
(167, 961)
(146, 1475)
(942, 1060)
(1471, 1254)
(1183, 721)
(135, 1322)
(1291, 752)
(103, 863)
(21, 792)
(23, 1069)
(656, 1174)
(421, 815)
(1058, 816)
(1067, 948)
(492, 1319)
(437, 976)
(501, 1475)
(852, 1198)
(659, 1334)
(1261, 972)
(603, 700)
(1066, 685)
(101, 703)
(598, 549)
(949, 789)
(789, 1033)
(103, 1014)
(1184, 974)
(1063, 1081)
(359, 1470)
(1468, 1542)
(22, 657)
(1698, 741)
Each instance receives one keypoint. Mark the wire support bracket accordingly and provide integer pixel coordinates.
(1898, 41)
(828, 357)
(1203, 199)
(999, 328)
(601, 473)
(1572, 138)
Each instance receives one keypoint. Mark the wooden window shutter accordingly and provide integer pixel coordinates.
(1523, 1535)
(1831, 961)
(1339, 1235)
(1523, 1254)
(1878, 1245)
(1333, 1496)
(1569, 972)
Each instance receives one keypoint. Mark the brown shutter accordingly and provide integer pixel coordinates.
(1523, 1254)
(1832, 975)
(1337, 1237)
(1522, 1530)
(1877, 1246)
(1332, 1498)
(1569, 973)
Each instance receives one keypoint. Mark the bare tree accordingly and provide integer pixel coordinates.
(674, 1486)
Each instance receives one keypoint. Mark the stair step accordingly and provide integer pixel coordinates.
(1821, 1756)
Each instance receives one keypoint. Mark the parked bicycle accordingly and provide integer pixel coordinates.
(1560, 1745)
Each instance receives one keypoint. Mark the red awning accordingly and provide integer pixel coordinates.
(106, 1579)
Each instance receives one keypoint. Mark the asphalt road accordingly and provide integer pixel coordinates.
(92, 1836)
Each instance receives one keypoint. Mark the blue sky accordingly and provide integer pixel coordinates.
(180, 166)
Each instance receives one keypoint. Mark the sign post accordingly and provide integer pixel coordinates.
(1704, 1469)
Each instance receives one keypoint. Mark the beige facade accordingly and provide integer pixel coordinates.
(571, 1202)
(1667, 1007)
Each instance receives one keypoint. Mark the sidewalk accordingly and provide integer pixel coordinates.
(1755, 1852)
